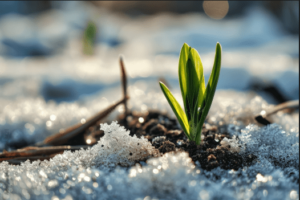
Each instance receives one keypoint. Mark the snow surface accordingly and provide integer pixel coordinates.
(232, 143)
(173, 176)
(40, 96)
(80, 175)
(85, 174)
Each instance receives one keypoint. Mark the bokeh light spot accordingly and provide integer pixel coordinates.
(216, 9)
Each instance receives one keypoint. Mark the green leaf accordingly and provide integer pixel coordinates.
(196, 98)
(192, 87)
(210, 91)
(196, 84)
(199, 70)
(182, 76)
(182, 119)
(191, 80)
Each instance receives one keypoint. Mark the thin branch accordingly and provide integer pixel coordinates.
(63, 136)
(124, 84)
(37, 151)
(261, 118)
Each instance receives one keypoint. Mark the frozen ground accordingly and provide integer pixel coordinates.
(85, 174)
(40, 96)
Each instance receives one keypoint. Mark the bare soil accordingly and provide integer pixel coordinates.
(155, 123)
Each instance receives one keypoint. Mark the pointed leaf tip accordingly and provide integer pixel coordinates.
(210, 89)
(180, 115)
(185, 44)
(218, 46)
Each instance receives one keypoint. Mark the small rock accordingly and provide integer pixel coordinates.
(158, 141)
(150, 124)
(212, 165)
(167, 146)
(158, 130)
(209, 150)
(211, 157)
(173, 133)
(209, 138)
(179, 143)
(223, 136)
(213, 129)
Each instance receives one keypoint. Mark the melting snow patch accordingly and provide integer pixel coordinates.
(30, 120)
(272, 144)
(118, 147)
(233, 144)
(240, 109)
(81, 175)
(96, 173)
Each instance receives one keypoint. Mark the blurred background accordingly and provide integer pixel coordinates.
(63, 51)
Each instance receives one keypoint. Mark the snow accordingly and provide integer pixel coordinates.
(41, 96)
(83, 175)
(272, 144)
(117, 147)
(86, 174)
(172, 176)
(232, 143)
(26, 118)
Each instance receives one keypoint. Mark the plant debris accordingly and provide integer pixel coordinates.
(288, 106)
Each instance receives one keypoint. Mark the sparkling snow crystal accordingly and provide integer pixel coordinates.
(83, 174)
(273, 144)
(233, 143)
(118, 147)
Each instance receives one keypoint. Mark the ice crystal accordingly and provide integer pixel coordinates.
(30, 120)
(118, 147)
(232, 144)
(82, 174)
(272, 144)
(240, 109)
(172, 176)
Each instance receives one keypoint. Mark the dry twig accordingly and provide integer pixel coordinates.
(262, 117)
(47, 148)
(31, 152)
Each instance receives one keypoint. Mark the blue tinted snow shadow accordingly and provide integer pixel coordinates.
(68, 90)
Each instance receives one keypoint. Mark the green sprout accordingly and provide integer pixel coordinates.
(196, 97)
(89, 38)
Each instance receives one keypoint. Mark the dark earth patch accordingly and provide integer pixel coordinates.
(209, 153)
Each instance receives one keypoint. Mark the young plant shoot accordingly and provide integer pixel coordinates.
(89, 38)
(196, 97)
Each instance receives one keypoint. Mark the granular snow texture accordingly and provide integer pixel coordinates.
(173, 176)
